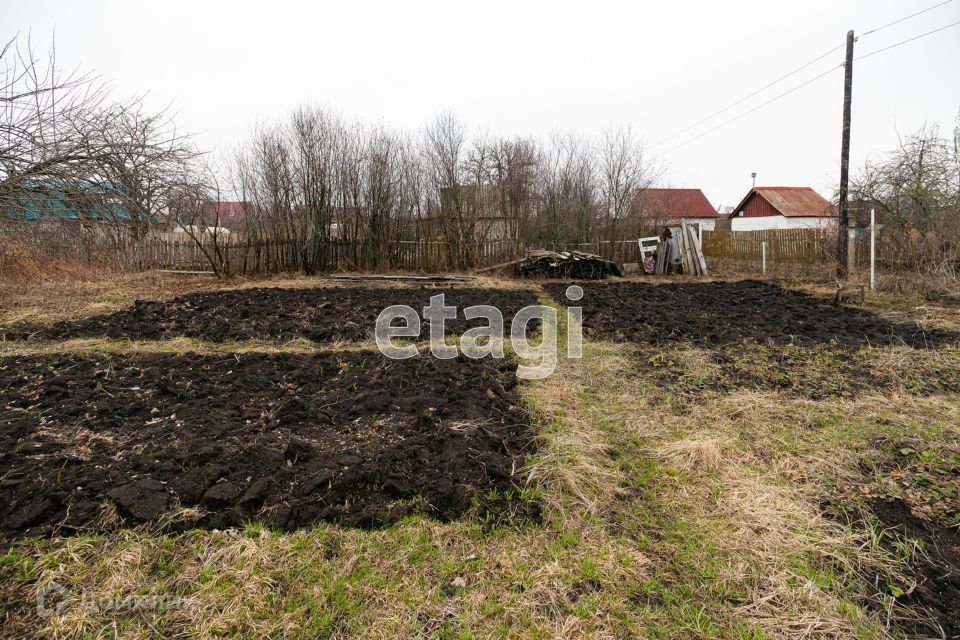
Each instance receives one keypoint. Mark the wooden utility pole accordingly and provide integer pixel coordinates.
(842, 230)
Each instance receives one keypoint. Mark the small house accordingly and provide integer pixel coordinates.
(780, 208)
(70, 201)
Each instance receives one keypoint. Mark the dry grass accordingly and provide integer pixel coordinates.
(662, 519)
(690, 455)
(795, 573)
(416, 579)
(575, 460)
(49, 300)
(18, 267)
(943, 286)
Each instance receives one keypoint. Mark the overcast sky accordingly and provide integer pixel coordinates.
(531, 68)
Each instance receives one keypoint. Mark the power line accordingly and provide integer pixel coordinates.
(745, 98)
(912, 15)
(892, 46)
(795, 71)
(760, 106)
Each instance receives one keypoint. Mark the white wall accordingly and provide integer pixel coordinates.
(706, 224)
(759, 223)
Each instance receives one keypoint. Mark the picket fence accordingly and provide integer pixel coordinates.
(798, 246)
(125, 250)
(421, 256)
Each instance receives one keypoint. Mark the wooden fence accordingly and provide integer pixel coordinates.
(790, 246)
(422, 256)
(813, 250)
(123, 248)
(128, 249)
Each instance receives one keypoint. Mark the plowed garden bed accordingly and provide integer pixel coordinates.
(722, 313)
(696, 339)
(323, 314)
(91, 443)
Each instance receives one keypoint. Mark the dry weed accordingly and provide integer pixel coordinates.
(690, 455)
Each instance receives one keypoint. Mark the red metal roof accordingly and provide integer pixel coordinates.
(677, 203)
(792, 202)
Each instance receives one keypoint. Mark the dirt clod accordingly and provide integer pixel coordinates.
(285, 439)
(935, 562)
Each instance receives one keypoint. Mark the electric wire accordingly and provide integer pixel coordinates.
(893, 46)
(794, 72)
(756, 108)
(912, 15)
(747, 97)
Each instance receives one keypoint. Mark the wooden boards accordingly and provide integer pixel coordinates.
(698, 252)
(663, 258)
(566, 264)
(412, 278)
(691, 252)
(684, 255)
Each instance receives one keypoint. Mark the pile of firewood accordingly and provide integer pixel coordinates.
(540, 263)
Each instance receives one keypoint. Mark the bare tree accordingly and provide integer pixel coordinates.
(442, 148)
(514, 173)
(626, 172)
(915, 190)
(70, 153)
(568, 191)
(40, 107)
(317, 184)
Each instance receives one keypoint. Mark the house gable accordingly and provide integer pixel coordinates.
(790, 202)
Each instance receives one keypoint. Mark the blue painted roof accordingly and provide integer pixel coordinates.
(81, 201)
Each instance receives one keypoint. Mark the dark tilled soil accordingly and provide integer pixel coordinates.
(722, 313)
(320, 314)
(936, 568)
(284, 439)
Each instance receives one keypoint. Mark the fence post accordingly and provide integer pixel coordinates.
(763, 254)
(851, 251)
(873, 249)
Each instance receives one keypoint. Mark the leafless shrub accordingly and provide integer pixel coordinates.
(915, 191)
(317, 184)
(318, 193)
(69, 153)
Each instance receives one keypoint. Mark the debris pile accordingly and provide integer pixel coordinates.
(680, 253)
(541, 263)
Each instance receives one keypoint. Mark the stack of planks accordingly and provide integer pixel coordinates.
(662, 263)
(691, 253)
(565, 264)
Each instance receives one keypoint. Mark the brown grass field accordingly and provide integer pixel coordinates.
(681, 487)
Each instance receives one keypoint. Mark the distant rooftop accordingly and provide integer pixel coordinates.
(792, 202)
(677, 203)
(83, 200)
